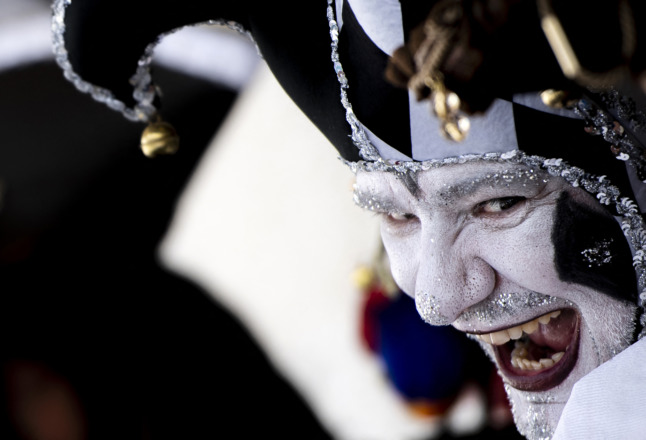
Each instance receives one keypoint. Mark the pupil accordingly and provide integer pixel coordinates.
(508, 202)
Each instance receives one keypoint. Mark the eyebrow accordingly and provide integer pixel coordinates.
(409, 179)
(468, 187)
(374, 202)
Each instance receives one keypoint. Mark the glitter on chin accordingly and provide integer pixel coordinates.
(534, 424)
(537, 413)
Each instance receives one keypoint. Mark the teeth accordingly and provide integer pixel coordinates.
(546, 363)
(519, 359)
(519, 355)
(515, 333)
(499, 338)
(531, 326)
(545, 319)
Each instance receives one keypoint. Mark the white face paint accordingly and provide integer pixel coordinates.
(473, 246)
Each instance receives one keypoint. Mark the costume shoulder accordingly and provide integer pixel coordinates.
(609, 402)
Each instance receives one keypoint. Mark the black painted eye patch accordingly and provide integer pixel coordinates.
(591, 249)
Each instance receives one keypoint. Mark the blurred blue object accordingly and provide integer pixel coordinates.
(424, 362)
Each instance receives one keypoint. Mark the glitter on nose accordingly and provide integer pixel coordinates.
(428, 309)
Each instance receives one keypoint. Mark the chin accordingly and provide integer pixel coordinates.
(542, 358)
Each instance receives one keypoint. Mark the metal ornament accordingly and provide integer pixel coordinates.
(159, 138)
(440, 30)
(558, 98)
(446, 106)
(566, 57)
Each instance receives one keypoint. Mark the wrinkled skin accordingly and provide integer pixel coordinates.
(458, 247)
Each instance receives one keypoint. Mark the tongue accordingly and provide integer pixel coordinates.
(558, 333)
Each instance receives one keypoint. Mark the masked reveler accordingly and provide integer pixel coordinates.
(512, 208)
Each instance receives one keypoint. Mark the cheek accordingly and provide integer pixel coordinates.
(522, 255)
(403, 260)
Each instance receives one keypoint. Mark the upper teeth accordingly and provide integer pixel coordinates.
(503, 336)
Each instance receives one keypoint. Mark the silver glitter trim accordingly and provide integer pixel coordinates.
(600, 122)
(359, 138)
(625, 108)
(144, 91)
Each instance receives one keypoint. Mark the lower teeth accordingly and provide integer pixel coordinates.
(519, 359)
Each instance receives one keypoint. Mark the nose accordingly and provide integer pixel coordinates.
(452, 275)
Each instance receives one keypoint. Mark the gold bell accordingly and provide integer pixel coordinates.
(158, 138)
(555, 98)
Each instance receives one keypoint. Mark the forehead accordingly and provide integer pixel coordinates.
(450, 182)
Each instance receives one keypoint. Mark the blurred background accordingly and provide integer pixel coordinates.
(232, 287)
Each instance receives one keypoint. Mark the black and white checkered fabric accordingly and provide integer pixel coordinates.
(396, 123)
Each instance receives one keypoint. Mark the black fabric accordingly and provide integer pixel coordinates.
(300, 48)
(596, 51)
(106, 38)
(148, 354)
(379, 105)
(413, 13)
(578, 229)
(551, 136)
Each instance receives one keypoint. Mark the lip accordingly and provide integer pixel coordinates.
(546, 377)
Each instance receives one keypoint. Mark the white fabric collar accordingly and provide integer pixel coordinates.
(609, 402)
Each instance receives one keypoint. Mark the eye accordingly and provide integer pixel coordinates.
(502, 204)
(398, 223)
(399, 216)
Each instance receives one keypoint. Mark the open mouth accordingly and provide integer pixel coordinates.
(539, 354)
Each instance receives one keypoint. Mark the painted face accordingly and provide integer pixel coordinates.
(531, 267)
